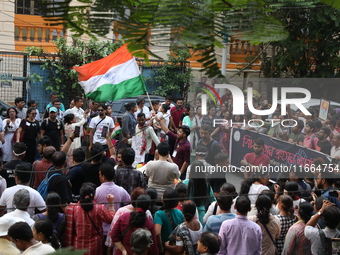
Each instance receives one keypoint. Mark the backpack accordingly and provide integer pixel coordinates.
(328, 247)
(43, 187)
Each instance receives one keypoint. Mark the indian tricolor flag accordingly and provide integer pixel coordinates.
(111, 78)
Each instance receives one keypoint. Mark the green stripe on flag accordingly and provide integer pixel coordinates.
(112, 92)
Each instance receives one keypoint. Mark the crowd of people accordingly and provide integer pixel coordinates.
(68, 180)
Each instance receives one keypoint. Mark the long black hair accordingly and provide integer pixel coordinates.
(306, 211)
(263, 205)
(197, 186)
(87, 192)
(53, 199)
(45, 227)
(287, 205)
(245, 185)
(138, 217)
(170, 199)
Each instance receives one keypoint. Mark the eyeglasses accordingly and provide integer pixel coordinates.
(101, 110)
(11, 111)
(33, 113)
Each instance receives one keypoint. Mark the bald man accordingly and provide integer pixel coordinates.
(42, 166)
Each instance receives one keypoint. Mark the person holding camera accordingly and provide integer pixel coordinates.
(71, 125)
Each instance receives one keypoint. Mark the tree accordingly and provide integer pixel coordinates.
(174, 76)
(202, 24)
(312, 47)
(62, 79)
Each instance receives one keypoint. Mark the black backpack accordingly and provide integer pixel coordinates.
(327, 244)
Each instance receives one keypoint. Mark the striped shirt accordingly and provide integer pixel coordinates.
(214, 222)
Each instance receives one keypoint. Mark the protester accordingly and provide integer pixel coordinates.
(129, 121)
(187, 233)
(54, 96)
(287, 219)
(29, 128)
(53, 214)
(208, 243)
(70, 126)
(43, 232)
(141, 240)
(135, 193)
(199, 189)
(295, 241)
(19, 151)
(331, 216)
(255, 159)
(41, 167)
(84, 222)
(167, 218)
(53, 128)
(20, 107)
(22, 178)
(129, 222)
(127, 176)
(214, 222)
(270, 225)
(182, 147)
(21, 202)
(6, 245)
(240, 235)
(59, 183)
(10, 126)
(162, 173)
(106, 176)
(98, 124)
(22, 236)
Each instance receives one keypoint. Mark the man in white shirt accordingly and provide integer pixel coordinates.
(335, 151)
(21, 200)
(147, 133)
(22, 236)
(97, 125)
(78, 111)
(331, 217)
(162, 173)
(22, 178)
(141, 108)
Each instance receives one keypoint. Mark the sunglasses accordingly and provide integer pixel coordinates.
(33, 113)
(101, 110)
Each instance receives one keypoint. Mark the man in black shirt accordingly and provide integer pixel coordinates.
(59, 182)
(91, 169)
(323, 145)
(53, 128)
(19, 151)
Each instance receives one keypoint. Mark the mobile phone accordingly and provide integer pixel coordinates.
(104, 131)
(77, 131)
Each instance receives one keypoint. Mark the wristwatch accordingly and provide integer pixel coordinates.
(319, 213)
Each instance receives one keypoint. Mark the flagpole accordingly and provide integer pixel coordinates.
(147, 93)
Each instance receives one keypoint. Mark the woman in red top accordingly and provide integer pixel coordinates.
(84, 221)
(128, 223)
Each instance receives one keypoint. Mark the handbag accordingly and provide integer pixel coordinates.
(22, 134)
(101, 236)
(271, 238)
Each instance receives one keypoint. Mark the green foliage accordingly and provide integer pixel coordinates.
(201, 24)
(313, 45)
(174, 76)
(62, 79)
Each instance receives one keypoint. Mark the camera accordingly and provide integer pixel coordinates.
(333, 192)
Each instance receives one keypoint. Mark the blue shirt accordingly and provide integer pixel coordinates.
(214, 222)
